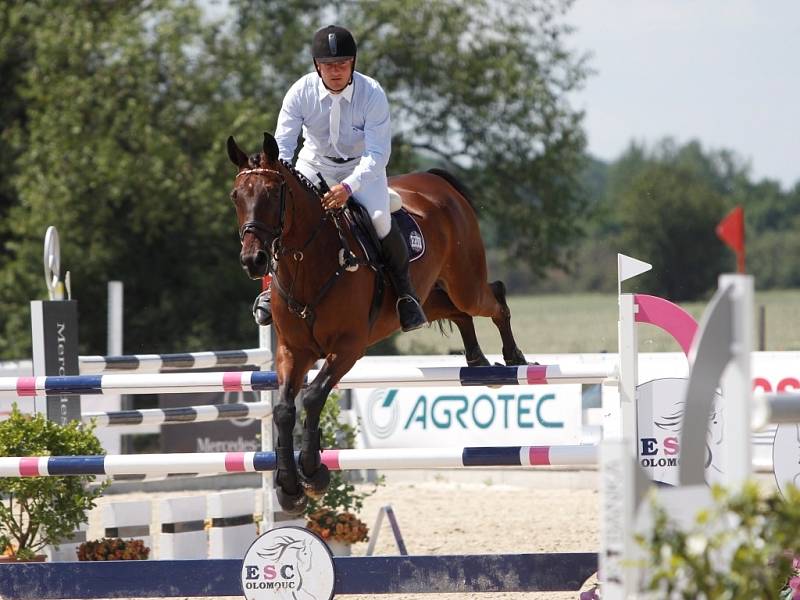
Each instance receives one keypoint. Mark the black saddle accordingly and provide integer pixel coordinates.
(361, 225)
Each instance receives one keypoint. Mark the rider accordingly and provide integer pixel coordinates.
(344, 117)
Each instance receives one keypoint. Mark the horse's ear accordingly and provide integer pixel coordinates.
(270, 148)
(237, 157)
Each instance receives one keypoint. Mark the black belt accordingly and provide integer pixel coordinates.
(338, 160)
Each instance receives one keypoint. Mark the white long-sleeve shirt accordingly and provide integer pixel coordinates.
(364, 125)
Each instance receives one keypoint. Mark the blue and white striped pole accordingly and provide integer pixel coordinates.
(359, 377)
(337, 460)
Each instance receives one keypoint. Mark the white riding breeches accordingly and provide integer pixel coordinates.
(373, 195)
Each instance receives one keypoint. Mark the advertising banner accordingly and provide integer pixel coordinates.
(469, 416)
(54, 332)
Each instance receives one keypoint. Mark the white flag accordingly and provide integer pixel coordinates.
(628, 267)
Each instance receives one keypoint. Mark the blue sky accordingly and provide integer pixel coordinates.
(725, 72)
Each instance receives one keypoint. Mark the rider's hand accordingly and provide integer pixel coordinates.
(336, 197)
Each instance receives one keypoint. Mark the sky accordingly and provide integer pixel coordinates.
(724, 72)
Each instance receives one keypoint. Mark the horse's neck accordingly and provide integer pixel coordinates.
(303, 216)
(308, 242)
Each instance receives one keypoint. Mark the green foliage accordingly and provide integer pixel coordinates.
(772, 257)
(661, 204)
(37, 511)
(341, 495)
(120, 147)
(741, 548)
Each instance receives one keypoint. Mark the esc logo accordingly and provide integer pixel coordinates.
(288, 563)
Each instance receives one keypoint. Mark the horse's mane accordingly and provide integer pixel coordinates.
(460, 187)
(304, 181)
(256, 162)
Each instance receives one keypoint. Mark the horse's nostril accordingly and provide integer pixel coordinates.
(260, 259)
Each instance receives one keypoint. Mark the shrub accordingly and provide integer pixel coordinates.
(40, 511)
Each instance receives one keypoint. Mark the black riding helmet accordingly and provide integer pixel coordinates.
(332, 44)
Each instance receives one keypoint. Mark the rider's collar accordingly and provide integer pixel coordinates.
(346, 93)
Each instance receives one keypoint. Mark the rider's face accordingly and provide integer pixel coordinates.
(336, 74)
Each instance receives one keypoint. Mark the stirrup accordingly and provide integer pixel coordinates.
(412, 317)
(262, 308)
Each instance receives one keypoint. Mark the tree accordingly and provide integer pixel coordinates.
(122, 151)
(668, 215)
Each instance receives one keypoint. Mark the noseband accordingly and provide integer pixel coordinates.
(260, 230)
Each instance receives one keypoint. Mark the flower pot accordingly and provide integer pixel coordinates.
(14, 559)
(338, 548)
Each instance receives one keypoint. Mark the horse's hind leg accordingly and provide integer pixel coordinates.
(511, 352)
(438, 305)
(314, 476)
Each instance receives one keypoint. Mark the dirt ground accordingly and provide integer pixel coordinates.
(438, 514)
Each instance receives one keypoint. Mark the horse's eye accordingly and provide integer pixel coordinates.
(233, 195)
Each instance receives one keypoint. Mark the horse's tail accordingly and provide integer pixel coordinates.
(460, 187)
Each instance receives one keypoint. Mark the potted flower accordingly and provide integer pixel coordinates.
(113, 549)
(40, 511)
(334, 517)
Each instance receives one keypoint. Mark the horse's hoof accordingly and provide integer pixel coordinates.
(481, 361)
(292, 504)
(515, 359)
(316, 484)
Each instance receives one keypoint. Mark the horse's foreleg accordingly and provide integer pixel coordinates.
(287, 486)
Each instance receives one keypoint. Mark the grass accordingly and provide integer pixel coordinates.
(576, 323)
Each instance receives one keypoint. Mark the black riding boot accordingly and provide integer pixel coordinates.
(262, 311)
(395, 256)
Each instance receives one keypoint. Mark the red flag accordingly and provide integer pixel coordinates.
(731, 231)
(265, 281)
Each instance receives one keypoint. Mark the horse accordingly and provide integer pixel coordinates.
(322, 310)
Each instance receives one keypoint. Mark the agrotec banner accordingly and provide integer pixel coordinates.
(469, 416)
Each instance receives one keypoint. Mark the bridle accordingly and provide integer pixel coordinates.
(259, 229)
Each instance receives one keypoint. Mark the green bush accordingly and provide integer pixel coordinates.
(40, 511)
(744, 546)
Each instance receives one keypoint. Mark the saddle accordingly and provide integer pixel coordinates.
(360, 224)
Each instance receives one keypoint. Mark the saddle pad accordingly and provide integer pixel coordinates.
(412, 234)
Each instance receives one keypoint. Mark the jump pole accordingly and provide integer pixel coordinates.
(155, 363)
(335, 460)
(183, 414)
(245, 381)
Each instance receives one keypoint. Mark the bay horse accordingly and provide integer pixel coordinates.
(322, 311)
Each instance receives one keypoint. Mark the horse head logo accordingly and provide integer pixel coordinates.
(297, 555)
